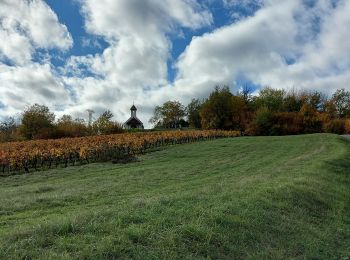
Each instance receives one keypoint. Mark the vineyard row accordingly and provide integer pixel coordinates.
(46, 154)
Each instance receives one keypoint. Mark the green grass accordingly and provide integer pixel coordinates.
(254, 197)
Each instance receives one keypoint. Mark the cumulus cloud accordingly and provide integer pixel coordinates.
(262, 47)
(25, 85)
(136, 31)
(135, 62)
(27, 25)
(279, 45)
(323, 60)
(292, 43)
(16, 47)
(147, 18)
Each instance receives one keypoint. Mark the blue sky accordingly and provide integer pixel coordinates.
(74, 55)
(69, 13)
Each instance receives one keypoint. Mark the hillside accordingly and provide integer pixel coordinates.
(254, 197)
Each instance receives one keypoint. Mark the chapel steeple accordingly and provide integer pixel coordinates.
(133, 110)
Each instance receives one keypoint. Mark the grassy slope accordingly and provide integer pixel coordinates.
(259, 197)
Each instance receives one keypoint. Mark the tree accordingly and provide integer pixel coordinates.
(246, 93)
(271, 99)
(8, 129)
(330, 109)
(262, 123)
(168, 115)
(104, 124)
(37, 122)
(293, 101)
(286, 123)
(312, 120)
(317, 100)
(341, 100)
(68, 127)
(217, 111)
(240, 112)
(336, 126)
(193, 110)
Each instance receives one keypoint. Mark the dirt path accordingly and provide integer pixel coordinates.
(347, 137)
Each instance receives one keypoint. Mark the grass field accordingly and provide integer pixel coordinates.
(254, 197)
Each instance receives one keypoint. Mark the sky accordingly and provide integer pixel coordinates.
(74, 55)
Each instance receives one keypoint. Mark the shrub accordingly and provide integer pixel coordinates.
(336, 126)
(313, 121)
(347, 126)
(287, 124)
(69, 127)
(262, 123)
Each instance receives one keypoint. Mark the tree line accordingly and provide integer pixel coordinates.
(270, 112)
(38, 122)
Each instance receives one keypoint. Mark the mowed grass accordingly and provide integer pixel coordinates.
(254, 197)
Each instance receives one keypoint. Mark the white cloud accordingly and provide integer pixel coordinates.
(26, 85)
(253, 46)
(323, 62)
(147, 19)
(313, 36)
(291, 43)
(257, 47)
(27, 25)
(135, 63)
(16, 47)
(92, 43)
(136, 30)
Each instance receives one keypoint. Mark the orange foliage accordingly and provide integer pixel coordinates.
(347, 126)
(35, 154)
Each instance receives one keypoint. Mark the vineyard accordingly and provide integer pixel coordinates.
(26, 156)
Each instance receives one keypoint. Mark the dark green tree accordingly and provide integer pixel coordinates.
(292, 102)
(271, 99)
(263, 122)
(217, 111)
(37, 122)
(193, 113)
(317, 100)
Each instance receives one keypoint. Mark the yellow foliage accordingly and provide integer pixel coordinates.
(18, 154)
(347, 126)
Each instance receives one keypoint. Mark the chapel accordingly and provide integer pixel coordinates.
(133, 122)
